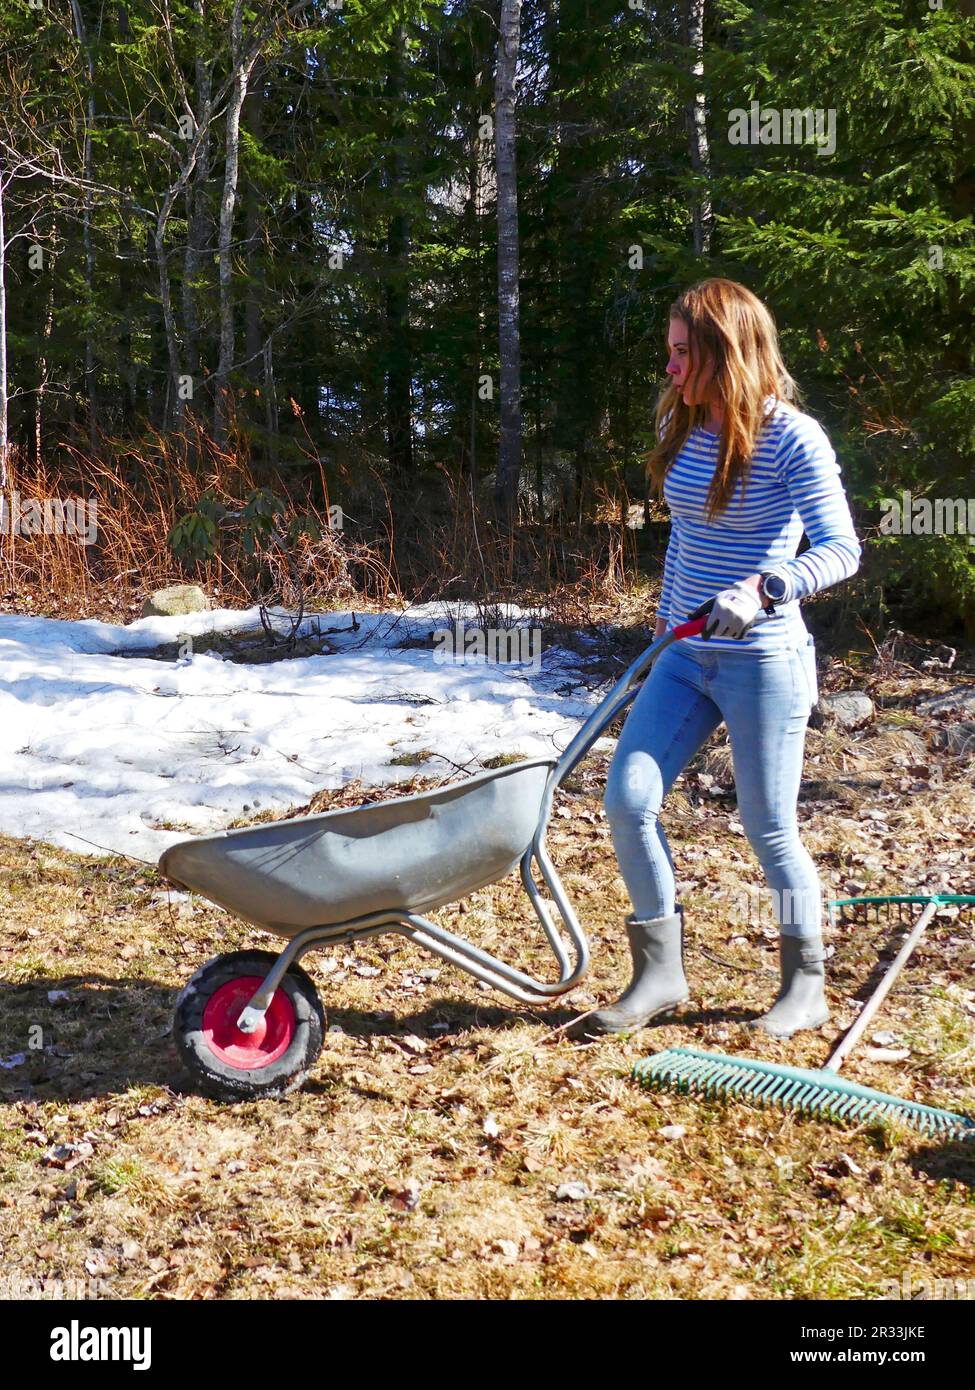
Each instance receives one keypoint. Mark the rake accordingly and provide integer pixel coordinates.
(823, 1094)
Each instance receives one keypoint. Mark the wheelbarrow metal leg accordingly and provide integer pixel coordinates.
(460, 955)
(580, 943)
(374, 925)
(486, 967)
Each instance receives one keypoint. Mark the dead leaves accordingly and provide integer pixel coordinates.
(68, 1156)
(406, 1198)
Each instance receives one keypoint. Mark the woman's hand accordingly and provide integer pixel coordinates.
(660, 629)
(754, 581)
(734, 611)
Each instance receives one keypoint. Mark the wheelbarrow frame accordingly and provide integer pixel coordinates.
(572, 959)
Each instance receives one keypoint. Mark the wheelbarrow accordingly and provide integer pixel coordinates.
(250, 1023)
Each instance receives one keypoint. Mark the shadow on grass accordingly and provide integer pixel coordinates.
(80, 1037)
(692, 1018)
(951, 1161)
(459, 1016)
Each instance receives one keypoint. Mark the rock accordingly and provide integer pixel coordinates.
(849, 709)
(175, 601)
(572, 1192)
(960, 701)
(604, 745)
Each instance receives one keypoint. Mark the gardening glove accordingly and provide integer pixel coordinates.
(734, 612)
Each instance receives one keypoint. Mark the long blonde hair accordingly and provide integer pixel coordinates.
(729, 326)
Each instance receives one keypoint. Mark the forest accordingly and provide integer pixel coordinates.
(413, 262)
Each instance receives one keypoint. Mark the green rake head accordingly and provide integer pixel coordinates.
(898, 907)
(816, 1093)
(824, 1093)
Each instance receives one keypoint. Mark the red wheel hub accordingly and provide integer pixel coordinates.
(248, 1051)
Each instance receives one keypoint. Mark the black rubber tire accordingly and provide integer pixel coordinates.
(219, 1079)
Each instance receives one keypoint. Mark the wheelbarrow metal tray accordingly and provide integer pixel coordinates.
(413, 854)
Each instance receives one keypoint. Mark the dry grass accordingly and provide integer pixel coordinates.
(424, 1155)
(425, 539)
(136, 492)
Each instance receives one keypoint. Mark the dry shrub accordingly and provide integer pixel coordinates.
(139, 490)
(427, 537)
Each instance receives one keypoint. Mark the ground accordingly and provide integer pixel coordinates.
(451, 1144)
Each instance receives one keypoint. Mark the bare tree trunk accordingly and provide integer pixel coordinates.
(166, 305)
(90, 375)
(196, 215)
(253, 337)
(128, 368)
(42, 363)
(474, 244)
(697, 129)
(399, 358)
(4, 416)
(509, 340)
(270, 399)
(241, 76)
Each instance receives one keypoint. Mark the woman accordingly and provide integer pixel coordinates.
(744, 474)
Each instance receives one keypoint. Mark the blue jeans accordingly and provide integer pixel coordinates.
(765, 699)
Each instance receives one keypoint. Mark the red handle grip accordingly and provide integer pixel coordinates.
(690, 629)
(695, 621)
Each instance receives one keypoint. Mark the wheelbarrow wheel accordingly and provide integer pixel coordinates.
(230, 1065)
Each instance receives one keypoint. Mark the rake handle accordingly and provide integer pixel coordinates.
(856, 1031)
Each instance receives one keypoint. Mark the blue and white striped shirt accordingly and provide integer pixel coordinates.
(794, 486)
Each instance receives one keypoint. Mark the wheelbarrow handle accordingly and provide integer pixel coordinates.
(623, 692)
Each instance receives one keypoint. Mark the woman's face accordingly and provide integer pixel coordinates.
(692, 379)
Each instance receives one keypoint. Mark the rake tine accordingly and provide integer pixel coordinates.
(850, 1103)
(789, 1096)
(777, 1091)
(718, 1083)
(697, 1074)
(805, 1096)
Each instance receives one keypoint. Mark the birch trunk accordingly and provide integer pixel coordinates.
(88, 159)
(4, 415)
(241, 76)
(697, 128)
(254, 344)
(509, 341)
(399, 362)
(166, 306)
(196, 215)
(474, 243)
(43, 364)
